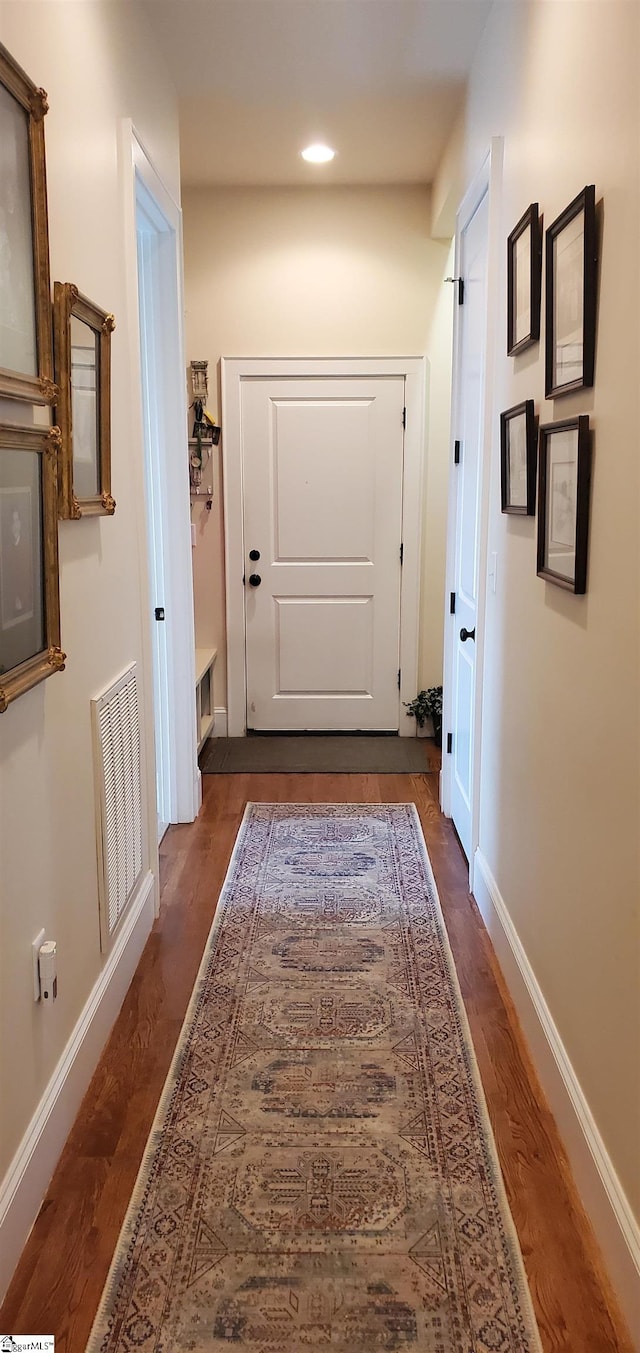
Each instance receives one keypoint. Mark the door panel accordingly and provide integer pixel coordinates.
(322, 469)
(324, 494)
(464, 699)
(470, 419)
(324, 645)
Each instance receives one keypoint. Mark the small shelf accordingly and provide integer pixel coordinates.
(205, 705)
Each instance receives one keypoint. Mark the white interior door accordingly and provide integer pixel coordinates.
(322, 474)
(166, 494)
(149, 236)
(469, 423)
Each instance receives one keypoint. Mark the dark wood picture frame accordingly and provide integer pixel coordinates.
(522, 415)
(67, 303)
(34, 387)
(529, 227)
(572, 285)
(16, 679)
(566, 501)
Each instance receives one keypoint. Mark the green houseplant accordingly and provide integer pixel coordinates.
(428, 705)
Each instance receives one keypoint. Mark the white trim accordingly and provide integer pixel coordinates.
(233, 371)
(25, 1184)
(412, 491)
(617, 1232)
(184, 798)
(220, 724)
(488, 180)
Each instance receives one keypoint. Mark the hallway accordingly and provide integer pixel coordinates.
(59, 1280)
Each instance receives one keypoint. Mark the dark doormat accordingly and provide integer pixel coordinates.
(369, 754)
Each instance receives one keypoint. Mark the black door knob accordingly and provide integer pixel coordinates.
(254, 555)
(467, 634)
(254, 580)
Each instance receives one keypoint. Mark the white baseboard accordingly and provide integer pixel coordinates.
(221, 724)
(604, 1199)
(25, 1184)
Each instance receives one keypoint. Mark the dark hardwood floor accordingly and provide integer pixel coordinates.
(60, 1277)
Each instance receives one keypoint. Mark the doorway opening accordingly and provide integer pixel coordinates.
(468, 507)
(322, 539)
(153, 234)
(154, 265)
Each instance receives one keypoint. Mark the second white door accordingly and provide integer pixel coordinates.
(470, 380)
(322, 476)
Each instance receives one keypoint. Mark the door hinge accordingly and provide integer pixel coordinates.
(456, 453)
(404, 417)
(399, 670)
(460, 287)
(449, 742)
(401, 554)
(452, 603)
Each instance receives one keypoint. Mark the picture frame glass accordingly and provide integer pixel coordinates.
(85, 412)
(568, 298)
(18, 331)
(562, 503)
(517, 461)
(22, 609)
(522, 286)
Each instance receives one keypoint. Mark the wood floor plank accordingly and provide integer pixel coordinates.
(59, 1281)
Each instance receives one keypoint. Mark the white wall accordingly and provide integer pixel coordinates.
(312, 273)
(97, 62)
(560, 807)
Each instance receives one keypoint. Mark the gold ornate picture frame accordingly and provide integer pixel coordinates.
(29, 581)
(82, 345)
(26, 356)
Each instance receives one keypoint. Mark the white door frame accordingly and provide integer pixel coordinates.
(234, 371)
(181, 742)
(487, 180)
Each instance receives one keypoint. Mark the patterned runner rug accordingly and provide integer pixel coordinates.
(321, 1172)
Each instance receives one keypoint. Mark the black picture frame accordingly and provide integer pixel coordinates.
(570, 297)
(524, 282)
(563, 502)
(518, 450)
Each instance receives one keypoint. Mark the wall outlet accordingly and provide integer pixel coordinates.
(35, 955)
(48, 968)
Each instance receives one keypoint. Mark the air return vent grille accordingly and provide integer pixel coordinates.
(116, 731)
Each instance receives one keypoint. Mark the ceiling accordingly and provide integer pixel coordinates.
(380, 80)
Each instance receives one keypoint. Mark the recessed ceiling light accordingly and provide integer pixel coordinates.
(318, 154)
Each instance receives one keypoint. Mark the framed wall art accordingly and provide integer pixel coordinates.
(29, 591)
(570, 312)
(82, 344)
(563, 503)
(524, 281)
(26, 362)
(518, 446)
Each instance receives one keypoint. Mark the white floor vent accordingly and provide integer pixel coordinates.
(116, 732)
